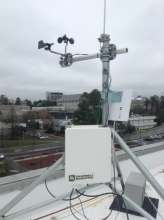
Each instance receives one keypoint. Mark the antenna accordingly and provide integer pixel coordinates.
(104, 25)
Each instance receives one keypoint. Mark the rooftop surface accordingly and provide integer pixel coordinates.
(39, 204)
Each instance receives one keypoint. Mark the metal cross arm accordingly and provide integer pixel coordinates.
(68, 59)
(121, 51)
(86, 57)
(57, 53)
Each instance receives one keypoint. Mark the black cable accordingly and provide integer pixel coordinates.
(76, 197)
(118, 195)
(98, 195)
(51, 194)
(70, 206)
(84, 215)
(95, 196)
(82, 208)
(108, 215)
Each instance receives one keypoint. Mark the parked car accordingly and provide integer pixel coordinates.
(2, 156)
(43, 137)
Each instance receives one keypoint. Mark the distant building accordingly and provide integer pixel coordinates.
(60, 125)
(57, 112)
(49, 109)
(4, 128)
(69, 102)
(18, 109)
(53, 96)
(142, 122)
(138, 102)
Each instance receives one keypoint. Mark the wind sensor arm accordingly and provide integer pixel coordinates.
(47, 46)
(67, 59)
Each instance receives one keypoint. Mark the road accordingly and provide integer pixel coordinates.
(145, 133)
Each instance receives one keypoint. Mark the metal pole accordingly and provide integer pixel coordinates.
(137, 207)
(115, 161)
(140, 165)
(105, 58)
(133, 204)
(27, 190)
(118, 170)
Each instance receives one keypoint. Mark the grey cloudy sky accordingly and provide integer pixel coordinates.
(29, 73)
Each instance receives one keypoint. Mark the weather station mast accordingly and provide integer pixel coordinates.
(107, 53)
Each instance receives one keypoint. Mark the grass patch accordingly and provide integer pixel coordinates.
(7, 143)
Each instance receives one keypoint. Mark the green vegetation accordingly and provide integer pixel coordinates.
(89, 111)
(18, 143)
(43, 103)
(3, 168)
(151, 106)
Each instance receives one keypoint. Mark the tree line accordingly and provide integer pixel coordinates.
(4, 100)
(153, 105)
(89, 109)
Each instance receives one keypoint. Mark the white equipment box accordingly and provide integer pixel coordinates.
(120, 103)
(87, 155)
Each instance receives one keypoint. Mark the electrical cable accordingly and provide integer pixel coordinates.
(82, 208)
(70, 206)
(108, 215)
(51, 194)
(76, 197)
(118, 195)
(96, 196)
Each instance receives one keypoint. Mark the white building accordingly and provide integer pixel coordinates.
(53, 96)
(49, 109)
(69, 102)
(142, 122)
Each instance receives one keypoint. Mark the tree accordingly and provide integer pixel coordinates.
(155, 104)
(43, 103)
(18, 101)
(28, 102)
(160, 116)
(89, 109)
(12, 119)
(147, 102)
(162, 102)
(4, 100)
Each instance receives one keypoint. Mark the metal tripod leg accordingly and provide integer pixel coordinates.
(28, 189)
(116, 164)
(140, 165)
